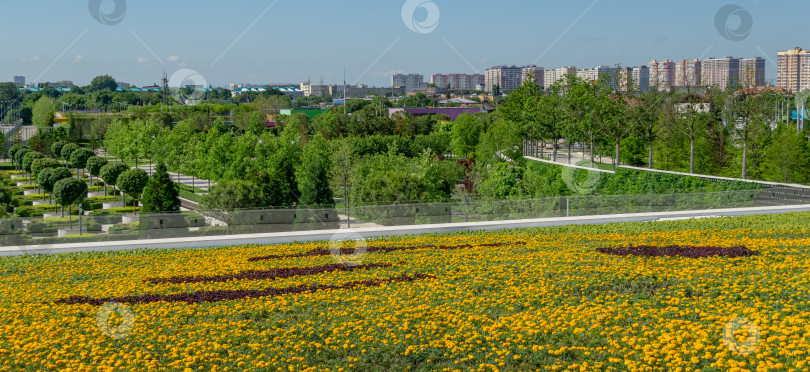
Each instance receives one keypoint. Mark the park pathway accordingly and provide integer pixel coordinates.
(196, 182)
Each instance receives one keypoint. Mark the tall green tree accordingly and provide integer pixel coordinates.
(44, 113)
(550, 117)
(465, 134)
(314, 176)
(644, 116)
(103, 82)
(787, 158)
(161, 194)
(691, 121)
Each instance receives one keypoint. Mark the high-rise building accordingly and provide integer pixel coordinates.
(596, 73)
(457, 81)
(793, 69)
(641, 77)
(638, 76)
(662, 74)
(507, 78)
(552, 76)
(538, 72)
(19, 80)
(687, 73)
(720, 72)
(752, 72)
(411, 82)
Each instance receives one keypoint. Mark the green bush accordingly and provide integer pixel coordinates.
(41, 164)
(234, 195)
(123, 210)
(79, 157)
(53, 224)
(161, 194)
(29, 158)
(67, 151)
(94, 165)
(132, 182)
(39, 210)
(56, 148)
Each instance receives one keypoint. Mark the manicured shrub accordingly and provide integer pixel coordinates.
(48, 178)
(110, 172)
(28, 160)
(67, 150)
(78, 158)
(132, 182)
(56, 148)
(69, 191)
(45, 163)
(94, 165)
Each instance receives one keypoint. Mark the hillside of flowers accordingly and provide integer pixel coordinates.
(709, 294)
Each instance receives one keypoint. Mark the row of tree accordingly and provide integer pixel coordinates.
(157, 194)
(733, 132)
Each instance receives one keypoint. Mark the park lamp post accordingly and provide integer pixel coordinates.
(81, 212)
(151, 156)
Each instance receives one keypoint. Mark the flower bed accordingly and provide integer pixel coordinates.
(491, 303)
(679, 251)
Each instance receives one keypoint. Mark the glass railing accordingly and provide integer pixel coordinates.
(106, 225)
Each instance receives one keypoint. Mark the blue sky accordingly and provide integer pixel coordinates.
(299, 39)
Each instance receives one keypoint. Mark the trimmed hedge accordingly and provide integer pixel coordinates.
(629, 182)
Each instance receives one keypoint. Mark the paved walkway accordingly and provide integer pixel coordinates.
(180, 178)
(196, 182)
